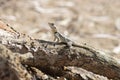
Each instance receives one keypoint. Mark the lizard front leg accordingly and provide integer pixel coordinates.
(57, 38)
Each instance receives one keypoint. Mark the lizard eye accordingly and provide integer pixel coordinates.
(52, 24)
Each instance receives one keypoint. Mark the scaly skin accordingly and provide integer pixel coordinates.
(59, 37)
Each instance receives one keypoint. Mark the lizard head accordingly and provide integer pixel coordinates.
(52, 26)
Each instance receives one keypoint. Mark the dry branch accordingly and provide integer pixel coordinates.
(85, 57)
(51, 57)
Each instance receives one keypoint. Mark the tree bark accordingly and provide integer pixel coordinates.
(53, 59)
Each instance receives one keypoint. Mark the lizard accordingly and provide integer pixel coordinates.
(59, 37)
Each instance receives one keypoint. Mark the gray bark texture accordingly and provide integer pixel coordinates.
(25, 58)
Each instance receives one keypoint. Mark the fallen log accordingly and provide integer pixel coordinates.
(51, 57)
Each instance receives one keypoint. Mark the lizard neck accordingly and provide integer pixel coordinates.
(55, 31)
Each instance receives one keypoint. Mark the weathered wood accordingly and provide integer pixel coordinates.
(51, 57)
(10, 66)
(84, 57)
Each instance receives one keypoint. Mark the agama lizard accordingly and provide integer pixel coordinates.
(59, 37)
